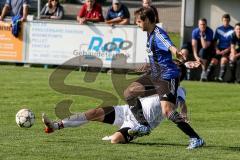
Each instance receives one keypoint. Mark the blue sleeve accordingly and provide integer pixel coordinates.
(195, 34)
(164, 39)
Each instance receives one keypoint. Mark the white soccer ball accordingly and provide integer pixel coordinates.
(25, 118)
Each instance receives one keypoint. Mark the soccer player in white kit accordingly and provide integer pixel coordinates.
(120, 116)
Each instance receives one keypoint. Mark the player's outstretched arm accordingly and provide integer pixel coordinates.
(116, 138)
(178, 54)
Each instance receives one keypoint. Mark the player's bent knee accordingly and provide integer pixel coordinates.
(214, 61)
(224, 60)
(167, 108)
(133, 90)
(96, 114)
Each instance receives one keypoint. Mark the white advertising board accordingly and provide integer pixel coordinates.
(52, 43)
(141, 41)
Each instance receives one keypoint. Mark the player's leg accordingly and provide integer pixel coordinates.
(223, 63)
(105, 115)
(174, 116)
(183, 110)
(133, 91)
(140, 88)
(212, 64)
(149, 87)
(232, 66)
(167, 103)
(202, 54)
(205, 55)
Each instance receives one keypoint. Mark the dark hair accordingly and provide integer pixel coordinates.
(237, 24)
(227, 16)
(146, 12)
(50, 4)
(203, 19)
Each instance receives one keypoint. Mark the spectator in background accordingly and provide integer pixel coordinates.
(15, 8)
(235, 51)
(90, 12)
(52, 10)
(148, 3)
(202, 38)
(117, 14)
(222, 39)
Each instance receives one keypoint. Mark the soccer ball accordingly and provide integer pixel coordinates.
(25, 118)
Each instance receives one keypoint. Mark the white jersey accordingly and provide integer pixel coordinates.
(152, 112)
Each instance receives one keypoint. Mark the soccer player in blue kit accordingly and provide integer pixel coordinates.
(163, 79)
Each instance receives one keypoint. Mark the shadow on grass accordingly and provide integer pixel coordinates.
(226, 148)
(157, 144)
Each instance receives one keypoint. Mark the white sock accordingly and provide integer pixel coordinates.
(74, 120)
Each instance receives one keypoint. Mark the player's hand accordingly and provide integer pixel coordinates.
(1, 19)
(23, 19)
(82, 20)
(181, 56)
(198, 59)
(233, 57)
(218, 52)
(192, 64)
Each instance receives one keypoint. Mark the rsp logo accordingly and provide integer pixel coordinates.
(117, 44)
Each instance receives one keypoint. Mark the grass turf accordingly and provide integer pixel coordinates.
(213, 108)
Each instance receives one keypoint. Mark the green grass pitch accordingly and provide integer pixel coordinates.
(214, 112)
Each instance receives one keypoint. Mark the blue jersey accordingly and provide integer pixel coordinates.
(208, 34)
(223, 35)
(160, 57)
(122, 13)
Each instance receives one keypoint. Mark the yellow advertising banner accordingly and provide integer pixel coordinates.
(10, 46)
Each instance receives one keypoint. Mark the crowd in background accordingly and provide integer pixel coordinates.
(215, 49)
(90, 11)
(219, 49)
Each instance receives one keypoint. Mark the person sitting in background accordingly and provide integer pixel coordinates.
(15, 8)
(235, 51)
(202, 38)
(90, 12)
(148, 3)
(222, 39)
(52, 10)
(117, 14)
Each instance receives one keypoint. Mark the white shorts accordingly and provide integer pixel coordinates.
(124, 117)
